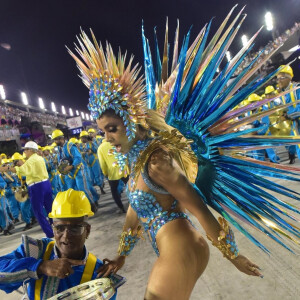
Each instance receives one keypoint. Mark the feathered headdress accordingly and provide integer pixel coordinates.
(112, 84)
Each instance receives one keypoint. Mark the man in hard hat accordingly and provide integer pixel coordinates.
(25, 207)
(284, 79)
(39, 186)
(51, 267)
(95, 138)
(116, 177)
(89, 153)
(52, 171)
(5, 222)
(76, 177)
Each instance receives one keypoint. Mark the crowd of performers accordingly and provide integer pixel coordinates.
(73, 163)
(188, 137)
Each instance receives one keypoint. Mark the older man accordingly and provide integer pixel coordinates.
(51, 267)
(39, 186)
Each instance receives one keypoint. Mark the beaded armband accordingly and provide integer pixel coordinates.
(226, 243)
(129, 240)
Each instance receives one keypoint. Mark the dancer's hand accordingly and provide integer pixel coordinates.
(244, 265)
(111, 266)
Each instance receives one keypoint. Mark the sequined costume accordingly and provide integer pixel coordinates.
(145, 204)
(198, 103)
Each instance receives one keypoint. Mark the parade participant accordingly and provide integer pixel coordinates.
(25, 206)
(108, 162)
(194, 99)
(39, 186)
(89, 153)
(5, 222)
(75, 175)
(52, 172)
(93, 135)
(289, 125)
(49, 267)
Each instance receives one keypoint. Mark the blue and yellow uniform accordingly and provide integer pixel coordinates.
(3, 214)
(21, 266)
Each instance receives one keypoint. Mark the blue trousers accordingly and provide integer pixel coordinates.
(13, 204)
(96, 174)
(4, 219)
(41, 198)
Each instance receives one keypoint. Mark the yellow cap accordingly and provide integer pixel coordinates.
(73, 140)
(91, 130)
(70, 204)
(17, 156)
(253, 97)
(5, 161)
(49, 148)
(56, 133)
(287, 70)
(269, 89)
(3, 155)
(83, 133)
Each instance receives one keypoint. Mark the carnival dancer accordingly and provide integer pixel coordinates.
(109, 162)
(95, 138)
(5, 222)
(39, 186)
(49, 267)
(163, 160)
(89, 153)
(75, 175)
(289, 124)
(25, 206)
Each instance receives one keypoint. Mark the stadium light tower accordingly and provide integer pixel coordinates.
(41, 103)
(71, 112)
(87, 116)
(2, 92)
(82, 115)
(244, 40)
(53, 107)
(77, 112)
(269, 21)
(63, 110)
(228, 55)
(24, 98)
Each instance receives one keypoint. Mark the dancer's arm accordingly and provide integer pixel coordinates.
(164, 171)
(112, 266)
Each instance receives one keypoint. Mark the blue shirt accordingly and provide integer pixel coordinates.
(18, 266)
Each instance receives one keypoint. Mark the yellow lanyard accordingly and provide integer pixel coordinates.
(86, 276)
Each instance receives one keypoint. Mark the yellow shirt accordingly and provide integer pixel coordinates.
(34, 169)
(107, 160)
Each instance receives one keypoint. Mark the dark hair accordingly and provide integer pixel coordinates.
(110, 113)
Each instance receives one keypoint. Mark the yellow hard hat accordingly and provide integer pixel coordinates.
(70, 204)
(253, 97)
(287, 70)
(47, 148)
(83, 133)
(17, 156)
(40, 147)
(3, 155)
(5, 161)
(269, 89)
(91, 130)
(56, 133)
(73, 140)
(53, 145)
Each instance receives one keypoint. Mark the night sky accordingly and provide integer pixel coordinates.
(38, 31)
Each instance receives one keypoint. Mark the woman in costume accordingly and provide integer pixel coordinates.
(186, 121)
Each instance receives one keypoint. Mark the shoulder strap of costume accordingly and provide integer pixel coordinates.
(89, 268)
(38, 283)
(69, 145)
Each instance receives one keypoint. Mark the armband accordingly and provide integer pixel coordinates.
(226, 242)
(129, 240)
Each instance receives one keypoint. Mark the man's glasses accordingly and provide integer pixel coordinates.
(72, 229)
(282, 77)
